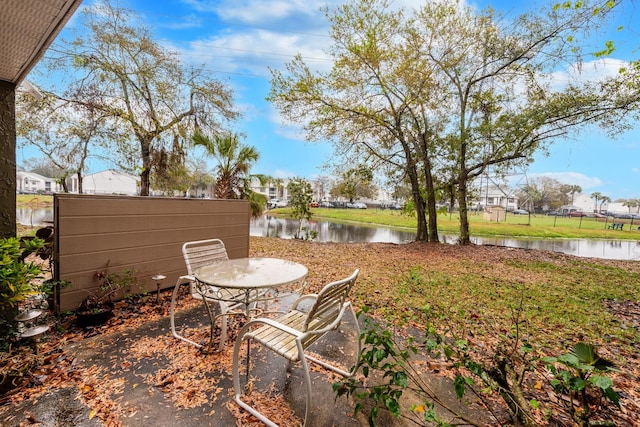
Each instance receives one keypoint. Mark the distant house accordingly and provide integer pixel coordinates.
(582, 202)
(587, 203)
(492, 195)
(620, 207)
(28, 182)
(270, 190)
(107, 182)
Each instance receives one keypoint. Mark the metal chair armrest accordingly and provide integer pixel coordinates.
(303, 298)
(269, 322)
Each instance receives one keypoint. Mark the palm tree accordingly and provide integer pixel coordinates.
(597, 195)
(234, 163)
(573, 189)
(279, 184)
(631, 203)
(603, 200)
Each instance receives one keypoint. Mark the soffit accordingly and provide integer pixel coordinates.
(27, 28)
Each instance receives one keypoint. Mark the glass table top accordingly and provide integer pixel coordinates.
(244, 273)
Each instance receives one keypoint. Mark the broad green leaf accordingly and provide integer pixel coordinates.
(601, 382)
(577, 384)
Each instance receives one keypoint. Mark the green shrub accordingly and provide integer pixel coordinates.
(16, 279)
(576, 374)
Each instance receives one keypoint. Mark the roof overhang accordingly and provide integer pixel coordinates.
(27, 28)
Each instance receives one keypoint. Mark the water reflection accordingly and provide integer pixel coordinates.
(606, 249)
(34, 216)
(335, 232)
(328, 231)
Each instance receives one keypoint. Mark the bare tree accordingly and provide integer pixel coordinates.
(63, 132)
(121, 71)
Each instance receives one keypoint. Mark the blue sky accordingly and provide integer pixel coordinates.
(239, 40)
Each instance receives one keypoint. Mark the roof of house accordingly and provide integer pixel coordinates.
(34, 176)
(27, 28)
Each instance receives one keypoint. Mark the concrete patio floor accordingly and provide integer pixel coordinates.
(144, 404)
(130, 378)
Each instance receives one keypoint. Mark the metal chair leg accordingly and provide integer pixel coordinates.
(172, 314)
(307, 383)
(237, 389)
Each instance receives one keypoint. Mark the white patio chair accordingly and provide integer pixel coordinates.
(197, 254)
(291, 334)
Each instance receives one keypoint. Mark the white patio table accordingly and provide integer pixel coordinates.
(253, 279)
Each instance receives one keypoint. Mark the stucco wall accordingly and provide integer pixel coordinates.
(7, 159)
(142, 234)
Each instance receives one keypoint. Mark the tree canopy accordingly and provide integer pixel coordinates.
(65, 132)
(545, 193)
(234, 161)
(300, 197)
(354, 184)
(444, 93)
(117, 68)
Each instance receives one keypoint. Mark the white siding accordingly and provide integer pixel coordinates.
(110, 182)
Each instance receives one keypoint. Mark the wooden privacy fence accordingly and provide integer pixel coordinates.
(141, 234)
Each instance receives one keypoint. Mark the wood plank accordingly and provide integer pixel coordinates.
(138, 233)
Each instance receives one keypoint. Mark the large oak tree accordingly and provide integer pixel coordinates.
(444, 92)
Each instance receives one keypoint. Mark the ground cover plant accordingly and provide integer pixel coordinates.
(478, 296)
(561, 299)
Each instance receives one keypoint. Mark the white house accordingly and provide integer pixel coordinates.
(109, 181)
(587, 203)
(29, 182)
(486, 192)
(270, 190)
(620, 207)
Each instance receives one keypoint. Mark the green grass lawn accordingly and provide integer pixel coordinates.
(478, 288)
(534, 226)
(30, 199)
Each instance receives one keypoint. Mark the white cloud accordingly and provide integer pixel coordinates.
(285, 129)
(269, 11)
(280, 173)
(573, 178)
(258, 11)
(635, 170)
(591, 71)
(184, 22)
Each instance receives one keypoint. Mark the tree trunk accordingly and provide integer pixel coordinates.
(432, 214)
(431, 203)
(80, 177)
(422, 230)
(145, 151)
(63, 183)
(422, 234)
(7, 159)
(464, 238)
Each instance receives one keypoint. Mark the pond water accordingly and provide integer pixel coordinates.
(358, 233)
(335, 232)
(34, 216)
